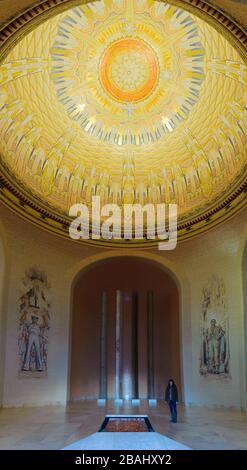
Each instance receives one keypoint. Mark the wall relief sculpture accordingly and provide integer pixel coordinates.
(215, 352)
(34, 324)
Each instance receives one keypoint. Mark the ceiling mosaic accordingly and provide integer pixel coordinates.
(132, 74)
(131, 100)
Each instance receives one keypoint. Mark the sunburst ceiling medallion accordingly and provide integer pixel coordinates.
(129, 70)
(144, 67)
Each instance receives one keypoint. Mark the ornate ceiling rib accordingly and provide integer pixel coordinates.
(129, 100)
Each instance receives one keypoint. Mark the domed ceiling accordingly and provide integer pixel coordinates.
(134, 101)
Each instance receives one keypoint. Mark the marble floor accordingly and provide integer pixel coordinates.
(126, 441)
(55, 427)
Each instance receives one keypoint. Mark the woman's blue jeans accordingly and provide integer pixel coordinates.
(173, 410)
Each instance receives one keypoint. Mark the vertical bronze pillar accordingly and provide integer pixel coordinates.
(129, 346)
(118, 345)
(103, 380)
(150, 345)
(135, 345)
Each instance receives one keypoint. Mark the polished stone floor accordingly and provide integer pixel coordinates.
(55, 427)
(126, 441)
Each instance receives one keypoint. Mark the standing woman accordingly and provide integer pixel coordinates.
(172, 398)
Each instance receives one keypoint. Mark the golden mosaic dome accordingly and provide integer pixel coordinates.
(131, 100)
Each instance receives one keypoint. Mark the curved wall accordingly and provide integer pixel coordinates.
(244, 269)
(192, 263)
(2, 323)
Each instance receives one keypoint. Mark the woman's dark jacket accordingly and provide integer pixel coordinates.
(174, 394)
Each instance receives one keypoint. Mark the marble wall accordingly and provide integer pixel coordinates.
(244, 273)
(2, 326)
(217, 253)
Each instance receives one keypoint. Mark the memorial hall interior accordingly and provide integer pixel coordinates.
(135, 102)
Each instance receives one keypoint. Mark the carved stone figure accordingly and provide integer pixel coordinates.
(215, 347)
(33, 343)
(34, 323)
(215, 353)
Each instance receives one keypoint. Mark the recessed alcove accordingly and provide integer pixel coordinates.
(144, 299)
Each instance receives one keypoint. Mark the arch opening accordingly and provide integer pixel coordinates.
(125, 333)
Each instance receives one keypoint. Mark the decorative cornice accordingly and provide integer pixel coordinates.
(25, 22)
